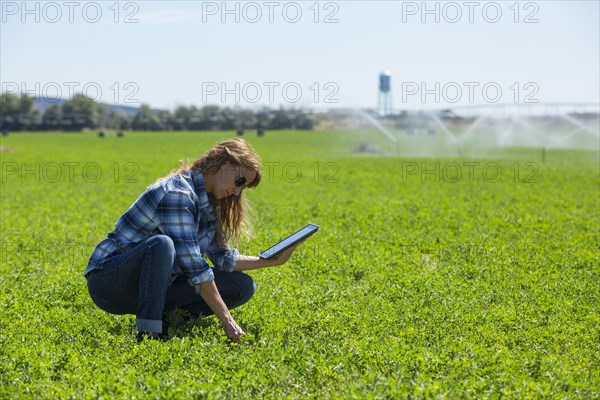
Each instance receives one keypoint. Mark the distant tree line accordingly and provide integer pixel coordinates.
(17, 113)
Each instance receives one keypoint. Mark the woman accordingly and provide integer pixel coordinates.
(152, 262)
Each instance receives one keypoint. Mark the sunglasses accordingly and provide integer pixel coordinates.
(240, 181)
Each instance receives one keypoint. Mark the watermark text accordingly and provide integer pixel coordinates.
(53, 92)
(292, 172)
(253, 12)
(269, 92)
(69, 172)
(53, 12)
(453, 12)
(471, 92)
(469, 171)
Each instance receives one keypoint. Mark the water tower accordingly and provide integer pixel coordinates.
(384, 106)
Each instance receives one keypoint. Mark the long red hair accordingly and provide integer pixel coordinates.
(232, 212)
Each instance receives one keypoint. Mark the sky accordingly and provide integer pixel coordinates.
(307, 54)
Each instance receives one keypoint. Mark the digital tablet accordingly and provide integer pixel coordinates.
(289, 241)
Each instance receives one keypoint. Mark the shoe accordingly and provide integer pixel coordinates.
(141, 336)
(165, 328)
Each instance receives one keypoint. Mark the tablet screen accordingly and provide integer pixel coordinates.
(289, 241)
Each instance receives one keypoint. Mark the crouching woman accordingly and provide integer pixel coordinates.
(153, 261)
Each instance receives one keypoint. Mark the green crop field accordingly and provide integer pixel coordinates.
(430, 278)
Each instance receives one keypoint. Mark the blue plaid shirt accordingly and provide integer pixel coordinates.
(178, 207)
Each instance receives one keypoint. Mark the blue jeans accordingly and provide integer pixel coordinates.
(139, 281)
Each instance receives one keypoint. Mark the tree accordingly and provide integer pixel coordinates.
(227, 119)
(16, 112)
(111, 118)
(281, 119)
(146, 119)
(181, 118)
(80, 112)
(31, 120)
(210, 118)
(245, 118)
(52, 118)
(9, 105)
(195, 120)
(165, 119)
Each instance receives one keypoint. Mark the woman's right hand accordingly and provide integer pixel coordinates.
(210, 294)
(233, 330)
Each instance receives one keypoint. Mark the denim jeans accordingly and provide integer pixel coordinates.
(139, 281)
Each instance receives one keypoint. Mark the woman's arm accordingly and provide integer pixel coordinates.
(244, 263)
(210, 294)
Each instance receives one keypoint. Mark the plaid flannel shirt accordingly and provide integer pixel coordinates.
(179, 207)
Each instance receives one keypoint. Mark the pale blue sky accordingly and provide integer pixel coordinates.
(181, 52)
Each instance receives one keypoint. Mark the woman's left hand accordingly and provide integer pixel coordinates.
(282, 257)
(244, 263)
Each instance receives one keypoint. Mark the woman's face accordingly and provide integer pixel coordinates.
(230, 181)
